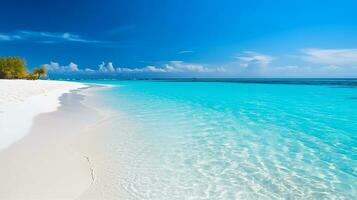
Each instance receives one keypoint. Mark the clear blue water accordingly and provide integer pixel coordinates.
(235, 140)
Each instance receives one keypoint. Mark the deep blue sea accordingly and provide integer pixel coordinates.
(235, 138)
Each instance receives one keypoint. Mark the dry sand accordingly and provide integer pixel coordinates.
(22, 100)
(47, 162)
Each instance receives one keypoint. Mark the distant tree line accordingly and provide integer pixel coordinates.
(15, 68)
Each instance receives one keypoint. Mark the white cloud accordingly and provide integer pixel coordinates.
(75, 38)
(330, 56)
(229, 69)
(8, 37)
(4, 37)
(123, 69)
(89, 70)
(54, 66)
(110, 67)
(102, 68)
(72, 67)
(154, 69)
(172, 66)
(180, 66)
(185, 51)
(250, 57)
(44, 37)
(106, 68)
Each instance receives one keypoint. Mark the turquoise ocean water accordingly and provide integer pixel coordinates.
(235, 139)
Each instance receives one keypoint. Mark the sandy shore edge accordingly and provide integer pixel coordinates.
(47, 163)
(22, 100)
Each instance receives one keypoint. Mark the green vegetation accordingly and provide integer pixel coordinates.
(12, 68)
(39, 72)
(15, 68)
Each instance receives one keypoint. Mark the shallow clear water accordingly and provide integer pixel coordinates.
(234, 140)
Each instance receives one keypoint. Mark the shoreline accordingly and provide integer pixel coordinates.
(131, 144)
(22, 100)
(47, 162)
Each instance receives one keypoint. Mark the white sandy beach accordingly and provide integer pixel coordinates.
(22, 100)
(39, 158)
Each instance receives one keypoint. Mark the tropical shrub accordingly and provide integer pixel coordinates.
(15, 68)
(39, 72)
(12, 68)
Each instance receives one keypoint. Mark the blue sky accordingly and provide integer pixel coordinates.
(183, 38)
